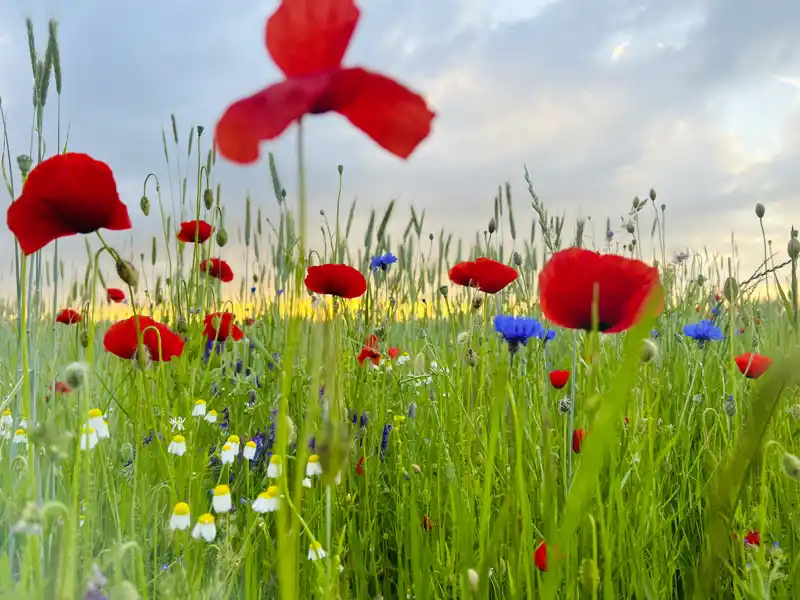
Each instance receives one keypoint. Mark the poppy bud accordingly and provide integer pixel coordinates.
(208, 198)
(730, 289)
(181, 326)
(760, 210)
(340, 168)
(473, 579)
(24, 163)
(730, 407)
(127, 272)
(222, 237)
(255, 277)
(636, 202)
(793, 248)
(652, 194)
(443, 291)
(791, 466)
(517, 258)
(649, 350)
(701, 280)
(472, 358)
(144, 204)
(477, 302)
(75, 374)
(629, 227)
(492, 226)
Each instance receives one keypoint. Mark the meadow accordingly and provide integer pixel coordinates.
(546, 411)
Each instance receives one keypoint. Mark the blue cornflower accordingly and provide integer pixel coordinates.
(387, 429)
(253, 290)
(382, 262)
(280, 292)
(364, 420)
(702, 332)
(518, 330)
(654, 334)
(550, 335)
(716, 310)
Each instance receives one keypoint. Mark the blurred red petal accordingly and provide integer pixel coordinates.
(220, 326)
(68, 316)
(65, 195)
(486, 274)
(393, 352)
(161, 343)
(115, 295)
(195, 231)
(396, 118)
(305, 37)
(540, 557)
(219, 269)
(577, 440)
(558, 379)
(752, 365)
(336, 280)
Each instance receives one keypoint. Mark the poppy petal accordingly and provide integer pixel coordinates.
(396, 118)
(265, 115)
(305, 37)
(336, 280)
(65, 195)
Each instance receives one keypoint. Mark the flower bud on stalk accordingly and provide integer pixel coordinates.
(127, 272)
(144, 204)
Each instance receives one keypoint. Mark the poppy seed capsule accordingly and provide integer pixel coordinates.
(793, 248)
(492, 226)
(84, 339)
(208, 198)
(443, 291)
(222, 237)
(24, 163)
(144, 204)
(340, 168)
(791, 466)
(760, 210)
(127, 272)
(630, 228)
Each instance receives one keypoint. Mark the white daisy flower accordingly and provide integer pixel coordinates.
(88, 438)
(315, 551)
(234, 443)
(211, 416)
(199, 409)
(249, 451)
(402, 359)
(222, 502)
(177, 446)
(205, 528)
(7, 420)
(306, 482)
(227, 455)
(313, 467)
(180, 519)
(177, 423)
(23, 424)
(274, 469)
(99, 424)
(267, 501)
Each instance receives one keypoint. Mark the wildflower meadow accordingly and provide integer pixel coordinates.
(540, 412)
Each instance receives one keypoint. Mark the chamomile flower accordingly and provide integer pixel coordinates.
(177, 423)
(234, 443)
(227, 455)
(268, 501)
(199, 409)
(249, 451)
(205, 528)
(306, 482)
(180, 520)
(98, 423)
(315, 551)
(7, 420)
(20, 437)
(313, 467)
(402, 359)
(275, 468)
(88, 438)
(177, 446)
(211, 416)
(222, 502)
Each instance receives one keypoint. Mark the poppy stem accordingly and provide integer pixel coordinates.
(302, 201)
(572, 405)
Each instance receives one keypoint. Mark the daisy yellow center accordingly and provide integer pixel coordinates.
(95, 413)
(251, 444)
(206, 519)
(181, 509)
(234, 439)
(314, 458)
(272, 491)
(200, 403)
(6, 413)
(20, 432)
(275, 460)
(316, 546)
(222, 490)
(399, 418)
(178, 439)
(227, 448)
(212, 413)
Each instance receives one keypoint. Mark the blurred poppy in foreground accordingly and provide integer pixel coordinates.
(220, 326)
(577, 440)
(568, 282)
(159, 340)
(336, 280)
(115, 295)
(60, 388)
(68, 316)
(558, 379)
(487, 275)
(219, 269)
(753, 538)
(307, 41)
(65, 195)
(370, 351)
(195, 231)
(540, 557)
(752, 365)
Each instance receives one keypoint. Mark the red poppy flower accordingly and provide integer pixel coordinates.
(487, 275)
(336, 280)
(249, 321)
(717, 297)
(308, 41)
(121, 339)
(65, 195)
(753, 538)
(558, 379)
(217, 268)
(752, 365)
(360, 466)
(427, 524)
(68, 316)
(220, 326)
(115, 295)
(195, 231)
(567, 289)
(370, 351)
(627, 421)
(393, 353)
(540, 557)
(60, 388)
(577, 440)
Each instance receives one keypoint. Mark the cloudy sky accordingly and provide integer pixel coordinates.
(602, 100)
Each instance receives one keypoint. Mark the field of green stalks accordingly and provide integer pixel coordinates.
(284, 433)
